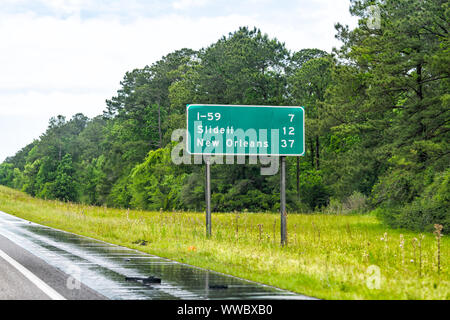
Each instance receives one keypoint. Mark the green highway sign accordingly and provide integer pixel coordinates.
(245, 130)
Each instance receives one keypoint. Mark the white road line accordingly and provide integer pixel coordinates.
(30, 276)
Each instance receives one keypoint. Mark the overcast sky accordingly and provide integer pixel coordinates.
(68, 56)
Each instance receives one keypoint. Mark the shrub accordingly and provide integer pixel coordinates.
(355, 203)
(314, 192)
(6, 174)
(424, 211)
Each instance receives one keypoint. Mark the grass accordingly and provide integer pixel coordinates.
(327, 256)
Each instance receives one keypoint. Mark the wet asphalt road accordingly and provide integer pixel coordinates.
(14, 285)
(37, 262)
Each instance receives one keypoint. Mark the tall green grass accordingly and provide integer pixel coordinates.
(327, 256)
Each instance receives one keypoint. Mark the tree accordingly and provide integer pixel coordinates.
(308, 86)
(244, 68)
(390, 95)
(6, 174)
(64, 185)
(29, 177)
(156, 183)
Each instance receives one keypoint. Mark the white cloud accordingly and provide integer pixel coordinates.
(44, 54)
(187, 4)
(37, 104)
(66, 6)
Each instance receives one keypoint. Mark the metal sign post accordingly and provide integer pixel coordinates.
(208, 199)
(283, 212)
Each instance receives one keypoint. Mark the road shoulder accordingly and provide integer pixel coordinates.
(16, 287)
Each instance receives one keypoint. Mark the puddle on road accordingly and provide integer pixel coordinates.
(104, 267)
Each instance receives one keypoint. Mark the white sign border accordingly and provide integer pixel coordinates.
(242, 154)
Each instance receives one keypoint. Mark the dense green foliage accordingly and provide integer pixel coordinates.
(391, 96)
(377, 124)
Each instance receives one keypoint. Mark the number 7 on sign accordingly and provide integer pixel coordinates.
(292, 116)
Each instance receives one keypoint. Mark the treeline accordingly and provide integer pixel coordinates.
(377, 125)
